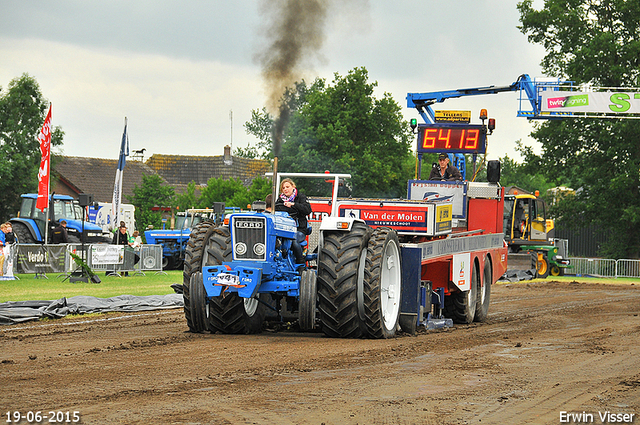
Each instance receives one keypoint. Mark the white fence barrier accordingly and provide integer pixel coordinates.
(601, 267)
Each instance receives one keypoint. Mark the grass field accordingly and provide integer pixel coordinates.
(28, 288)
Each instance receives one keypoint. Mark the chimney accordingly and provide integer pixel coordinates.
(227, 156)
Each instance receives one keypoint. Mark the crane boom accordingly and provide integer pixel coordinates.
(547, 98)
(529, 89)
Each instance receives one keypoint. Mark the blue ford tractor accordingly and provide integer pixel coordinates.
(29, 226)
(238, 272)
(174, 241)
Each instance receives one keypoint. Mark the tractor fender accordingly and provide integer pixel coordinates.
(339, 223)
(31, 225)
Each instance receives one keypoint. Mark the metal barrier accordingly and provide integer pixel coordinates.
(150, 260)
(111, 259)
(628, 268)
(601, 267)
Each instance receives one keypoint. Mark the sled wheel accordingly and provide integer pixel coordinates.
(341, 264)
(382, 284)
(484, 293)
(461, 305)
(308, 298)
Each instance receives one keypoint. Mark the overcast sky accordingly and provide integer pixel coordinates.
(176, 69)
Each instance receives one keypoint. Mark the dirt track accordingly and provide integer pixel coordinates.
(547, 348)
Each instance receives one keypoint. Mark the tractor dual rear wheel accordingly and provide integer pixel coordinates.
(382, 284)
(341, 263)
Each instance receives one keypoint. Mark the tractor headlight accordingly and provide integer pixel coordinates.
(241, 248)
(259, 249)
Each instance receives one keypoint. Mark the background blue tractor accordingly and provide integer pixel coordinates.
(29, 226)
(174, 240)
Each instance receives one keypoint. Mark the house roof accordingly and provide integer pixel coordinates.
(96, 176)
(183, 169)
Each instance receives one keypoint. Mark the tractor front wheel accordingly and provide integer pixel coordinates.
(198, 307)
(194, 256)
(556, 270)
(232, 314)
(308, 300)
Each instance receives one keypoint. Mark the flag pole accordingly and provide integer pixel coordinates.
(117, 187)
(46, 229)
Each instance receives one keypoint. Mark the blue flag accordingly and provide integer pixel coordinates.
(117, 187)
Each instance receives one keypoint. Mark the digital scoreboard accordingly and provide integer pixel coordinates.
(452, 138)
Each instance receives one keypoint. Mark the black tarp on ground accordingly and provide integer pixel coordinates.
(12, 312)
(517, 275)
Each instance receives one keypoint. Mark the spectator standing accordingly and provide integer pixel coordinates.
(9, 240)
(3, 243)
(59, 234)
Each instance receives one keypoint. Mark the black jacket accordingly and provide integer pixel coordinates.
(451, 173)
(120, 239)
(299, 211)
(59, 235)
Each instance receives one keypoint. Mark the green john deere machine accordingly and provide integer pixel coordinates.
(530, 236)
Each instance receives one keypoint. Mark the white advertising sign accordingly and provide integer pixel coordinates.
(107, 254)
(461, 273)
(600, 102)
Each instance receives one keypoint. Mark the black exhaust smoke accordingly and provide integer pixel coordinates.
(294, 33)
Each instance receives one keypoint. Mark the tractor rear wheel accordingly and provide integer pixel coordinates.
(382, 284)
(308, 300)
(198, 307)
(23, 235)
(194, 255)
(484, 293)
(341, 263)
(461, 305)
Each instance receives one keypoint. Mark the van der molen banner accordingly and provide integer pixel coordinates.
(598, 102)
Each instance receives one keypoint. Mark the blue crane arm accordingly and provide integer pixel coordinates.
(529, 90)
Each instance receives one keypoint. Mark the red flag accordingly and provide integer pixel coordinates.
(43, 174)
